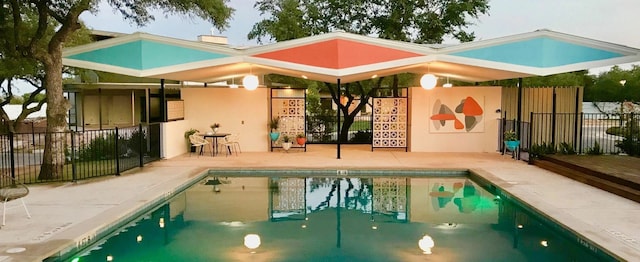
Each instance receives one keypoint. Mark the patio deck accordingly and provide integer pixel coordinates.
(67, 213)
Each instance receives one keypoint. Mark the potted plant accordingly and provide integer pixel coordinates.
(215, 127)
(511, 140)
(286, 142)
(301, 139)
(273, 125)
(188, 133)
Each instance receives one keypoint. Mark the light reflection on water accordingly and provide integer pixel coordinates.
(338, 219)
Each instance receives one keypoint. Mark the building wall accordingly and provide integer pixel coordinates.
(237, 111)
(173, 141)
(425, 137)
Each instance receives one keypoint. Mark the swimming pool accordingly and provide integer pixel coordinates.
(340, 216)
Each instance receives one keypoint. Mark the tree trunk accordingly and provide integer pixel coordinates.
(344, 130)
(57, 107)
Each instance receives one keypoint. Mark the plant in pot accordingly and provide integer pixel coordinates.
(214, 127)
(286, 142)
(511, 140)
(273, 125)
(186, 136)
(301, 139)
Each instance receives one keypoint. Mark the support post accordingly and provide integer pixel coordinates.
(338, 121)
(163, 103)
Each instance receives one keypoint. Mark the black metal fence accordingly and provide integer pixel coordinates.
(87, 154)
(323, 130)
(583, 133)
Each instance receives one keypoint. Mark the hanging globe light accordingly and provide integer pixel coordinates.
(250, 82)
(428, 81)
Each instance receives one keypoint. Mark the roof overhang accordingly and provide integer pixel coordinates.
(349, 57)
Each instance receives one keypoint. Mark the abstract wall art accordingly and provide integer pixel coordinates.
(457, 115)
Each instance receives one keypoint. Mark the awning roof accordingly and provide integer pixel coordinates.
(349, 57)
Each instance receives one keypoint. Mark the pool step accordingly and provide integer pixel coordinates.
(605, 182)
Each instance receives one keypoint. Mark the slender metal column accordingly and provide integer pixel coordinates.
(163, 102)
(338, 120)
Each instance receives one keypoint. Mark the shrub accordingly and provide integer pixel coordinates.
(537, 150)
(566, 149)
(100, 148)
(362, 136)
(595, 150)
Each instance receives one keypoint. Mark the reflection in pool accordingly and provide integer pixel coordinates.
(340, 219)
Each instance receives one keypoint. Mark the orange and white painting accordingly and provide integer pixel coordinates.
(457, 115)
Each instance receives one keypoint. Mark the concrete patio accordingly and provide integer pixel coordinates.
(64, 214)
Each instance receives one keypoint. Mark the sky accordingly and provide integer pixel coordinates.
(615, 21)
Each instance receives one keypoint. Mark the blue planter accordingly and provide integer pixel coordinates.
(274, 136)
(512, 145)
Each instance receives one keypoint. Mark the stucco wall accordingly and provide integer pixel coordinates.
(173, 141)
(424, 137)
(237, 110)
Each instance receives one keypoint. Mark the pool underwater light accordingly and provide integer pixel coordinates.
(426, 243)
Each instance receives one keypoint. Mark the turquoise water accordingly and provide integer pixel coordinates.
(340, 219)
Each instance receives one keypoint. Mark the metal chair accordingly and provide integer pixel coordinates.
(198, 141)
(234, 139)
(11, 189)
(228, 146)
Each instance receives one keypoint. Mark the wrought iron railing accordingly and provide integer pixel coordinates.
(87, 154)
(583, 133)
(322, 130)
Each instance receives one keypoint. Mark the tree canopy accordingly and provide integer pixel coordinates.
(37, 31)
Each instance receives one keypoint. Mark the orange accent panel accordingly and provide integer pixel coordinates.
(458, 124)
(337, 54)
(443, 117)
(471, 107)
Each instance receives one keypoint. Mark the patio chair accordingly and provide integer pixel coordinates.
(234, 140)
(11, 189)
(228, 146)
(198, 141)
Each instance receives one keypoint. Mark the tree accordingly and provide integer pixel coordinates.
(55, 23)
(416, 21)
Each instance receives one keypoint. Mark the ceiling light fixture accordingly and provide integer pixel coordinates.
(447, 85)
(250, 81)
(428, 81)
(233, 84)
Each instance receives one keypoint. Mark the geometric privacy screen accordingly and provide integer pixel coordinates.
(390, 122)
(288, 105)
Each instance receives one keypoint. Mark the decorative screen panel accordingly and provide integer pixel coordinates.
(291, 114)
(288, 197)
(390, 122)
(390, 196)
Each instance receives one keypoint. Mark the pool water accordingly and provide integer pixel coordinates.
(340, 219)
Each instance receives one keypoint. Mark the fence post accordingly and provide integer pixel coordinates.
(632, 136)
(74, 177)
(530, 142)
(33, 134)
(12, 161)
(117, 154)
(141, 145)
(581, 128)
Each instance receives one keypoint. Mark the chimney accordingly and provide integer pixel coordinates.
(214, 39)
